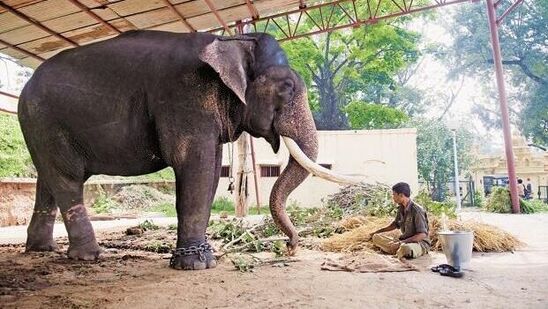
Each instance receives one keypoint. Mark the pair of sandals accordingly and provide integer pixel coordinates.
(448, 270)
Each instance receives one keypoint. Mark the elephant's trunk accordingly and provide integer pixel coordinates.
(296, 123)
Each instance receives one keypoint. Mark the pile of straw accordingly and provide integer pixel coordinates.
(357, 237)
(487, 238)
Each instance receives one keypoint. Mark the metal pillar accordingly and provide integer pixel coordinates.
(457, 187)
(497, 59)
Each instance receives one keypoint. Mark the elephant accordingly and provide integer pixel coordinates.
(146, 100)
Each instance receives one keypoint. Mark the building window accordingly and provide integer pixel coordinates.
(270, 170)
(327, 166)
(225, 171)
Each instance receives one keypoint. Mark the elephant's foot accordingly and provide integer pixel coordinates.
(193, 257)
(34, 244)
(40, 232)
(87, 252)
(82, 243)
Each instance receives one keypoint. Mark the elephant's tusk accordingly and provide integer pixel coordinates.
(315, 168)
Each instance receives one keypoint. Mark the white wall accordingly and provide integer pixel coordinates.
(387, 156)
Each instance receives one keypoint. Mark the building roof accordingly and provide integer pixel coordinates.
(34, 30)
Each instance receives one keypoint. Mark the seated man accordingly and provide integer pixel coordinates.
(411, 219)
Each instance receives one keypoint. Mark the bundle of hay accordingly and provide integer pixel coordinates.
(487, 238)
(357, 237)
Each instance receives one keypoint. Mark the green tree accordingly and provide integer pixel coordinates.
(14, 157)
(523, 36)
(363, 115)
(356, 64)
(435, 154)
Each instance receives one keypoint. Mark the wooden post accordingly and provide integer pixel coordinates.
(242, 172)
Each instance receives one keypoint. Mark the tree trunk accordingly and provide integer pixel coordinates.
(330, 116)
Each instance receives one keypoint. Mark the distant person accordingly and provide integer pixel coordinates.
(521, 188)
(412, 220)
(529, 188)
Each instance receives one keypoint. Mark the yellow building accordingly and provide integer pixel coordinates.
(530, 163)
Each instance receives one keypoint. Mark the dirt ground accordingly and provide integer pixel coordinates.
(128, 276)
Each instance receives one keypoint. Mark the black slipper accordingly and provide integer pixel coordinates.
(451, 273)
(438, 268)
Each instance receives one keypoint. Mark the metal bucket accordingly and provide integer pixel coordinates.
(457, 247)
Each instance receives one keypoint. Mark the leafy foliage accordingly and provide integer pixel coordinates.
(436, 208)
(228, 230)
(435, 154)
(103, 204)
(499, 201)
(363, 199)
(168, 209)
(15, 159)
(523, 37)
(222, 204)
(479, 201)
(357, 64)
(533, 206)
(374, 116)
(148, 225)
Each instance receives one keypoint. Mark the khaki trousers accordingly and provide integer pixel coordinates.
(392, 246)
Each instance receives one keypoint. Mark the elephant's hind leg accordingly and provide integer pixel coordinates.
(82, 242)
(40, 229)
(63, 170)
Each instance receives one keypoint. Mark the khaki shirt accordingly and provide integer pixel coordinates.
(412, 221)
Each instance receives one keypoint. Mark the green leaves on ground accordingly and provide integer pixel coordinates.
(500, 202)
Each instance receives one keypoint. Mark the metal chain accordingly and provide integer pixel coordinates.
(230, 164)
(192, 250)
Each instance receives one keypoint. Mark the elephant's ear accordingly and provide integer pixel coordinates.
(231, 58)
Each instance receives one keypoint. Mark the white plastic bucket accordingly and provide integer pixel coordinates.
(457, 247)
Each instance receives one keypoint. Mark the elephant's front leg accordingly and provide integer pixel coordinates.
(197, 178)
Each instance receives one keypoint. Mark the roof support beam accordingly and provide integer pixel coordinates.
(325, 25)
(252, 9)
(37, 24)
(22, 51)
(216, 13)
(94, 16)
(181, 17)
(508, 11)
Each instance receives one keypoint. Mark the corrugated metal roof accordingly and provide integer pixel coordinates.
(32, 30)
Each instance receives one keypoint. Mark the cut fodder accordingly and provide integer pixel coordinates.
(140, 197)
(487, 238)
(363, 199)
(351, 223)
(356, 239)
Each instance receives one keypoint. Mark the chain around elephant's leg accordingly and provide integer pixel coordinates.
(196, 180)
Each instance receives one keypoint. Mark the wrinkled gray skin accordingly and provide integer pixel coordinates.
(146, 100)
